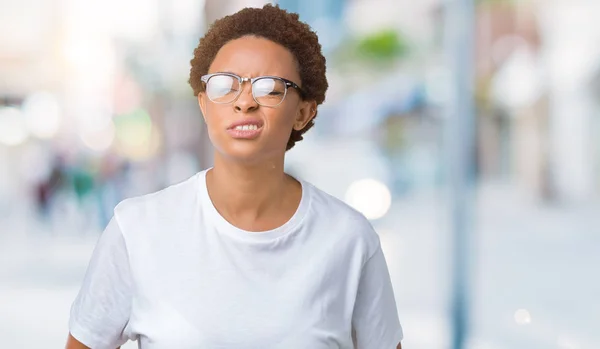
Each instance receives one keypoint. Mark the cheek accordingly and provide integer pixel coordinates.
(214, 116)
(279, 130)
(282, 120)
(214, 124)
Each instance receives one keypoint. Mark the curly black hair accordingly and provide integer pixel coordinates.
(275, 24)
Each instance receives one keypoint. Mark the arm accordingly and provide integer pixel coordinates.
(101, 310)
(73, 343)
(375, 318)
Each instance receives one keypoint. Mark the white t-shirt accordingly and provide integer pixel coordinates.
(171, 272)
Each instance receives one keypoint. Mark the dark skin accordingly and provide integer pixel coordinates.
(248, 185)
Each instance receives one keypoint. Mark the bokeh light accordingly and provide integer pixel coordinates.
(42, 114)
(99, 139)
(13, 130)
(370, 197)
(135, 135)
(522, 317)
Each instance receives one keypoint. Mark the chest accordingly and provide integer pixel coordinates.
(229, 301)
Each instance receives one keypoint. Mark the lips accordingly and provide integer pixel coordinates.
(254, 124)
(245, 129)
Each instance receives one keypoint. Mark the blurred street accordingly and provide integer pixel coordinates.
(535, 283)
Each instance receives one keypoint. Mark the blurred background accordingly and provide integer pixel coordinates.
(95, 107)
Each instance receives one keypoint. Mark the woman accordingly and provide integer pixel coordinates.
(242, 255)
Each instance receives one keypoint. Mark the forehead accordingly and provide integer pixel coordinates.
(252, 56)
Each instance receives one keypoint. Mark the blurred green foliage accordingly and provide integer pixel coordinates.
(384, 45)
(379, 48)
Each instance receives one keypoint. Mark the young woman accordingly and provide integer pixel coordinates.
(242, 256)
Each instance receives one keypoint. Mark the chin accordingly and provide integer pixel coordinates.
(248, 152)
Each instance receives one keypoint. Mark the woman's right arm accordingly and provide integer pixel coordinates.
(101, 310)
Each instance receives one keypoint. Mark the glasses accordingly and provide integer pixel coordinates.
(268, 91)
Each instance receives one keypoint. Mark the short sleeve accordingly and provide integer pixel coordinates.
(375, 319)
(101, 310)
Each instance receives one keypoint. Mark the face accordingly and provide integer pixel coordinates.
(251, 57)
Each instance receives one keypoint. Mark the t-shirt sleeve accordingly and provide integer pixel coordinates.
(375, 319)
(101, 310)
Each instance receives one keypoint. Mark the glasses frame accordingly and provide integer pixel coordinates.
(287, 83)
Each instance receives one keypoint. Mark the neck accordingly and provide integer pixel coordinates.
(247, 191)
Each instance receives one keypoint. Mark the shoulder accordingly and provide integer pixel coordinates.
(159, 205)
(343, 220)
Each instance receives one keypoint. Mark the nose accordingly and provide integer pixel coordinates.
(245, 102)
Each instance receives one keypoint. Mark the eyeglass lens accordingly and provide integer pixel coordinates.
(225, 89)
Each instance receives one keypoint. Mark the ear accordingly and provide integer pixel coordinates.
(202, 104)
(306, 112)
